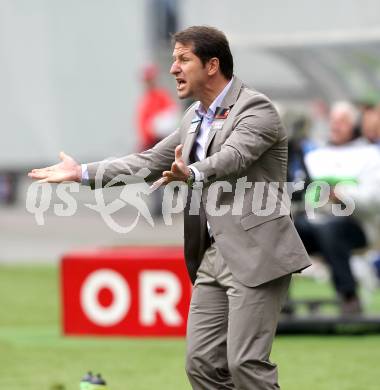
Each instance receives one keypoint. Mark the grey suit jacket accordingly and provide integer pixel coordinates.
(246, 144)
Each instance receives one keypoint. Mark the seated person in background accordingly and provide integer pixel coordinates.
(371, 131)
(351, 166)
(299, 144)
(371, 124)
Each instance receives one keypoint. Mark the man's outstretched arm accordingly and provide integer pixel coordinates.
(157, 160)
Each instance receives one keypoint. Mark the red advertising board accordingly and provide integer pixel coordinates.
(125, 291)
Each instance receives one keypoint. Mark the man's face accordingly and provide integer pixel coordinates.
(341, 127)
(189, 72)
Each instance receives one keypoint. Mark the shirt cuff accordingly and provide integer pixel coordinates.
(85, 176)
(199, 176)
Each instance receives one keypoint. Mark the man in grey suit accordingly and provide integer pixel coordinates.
(231, 149)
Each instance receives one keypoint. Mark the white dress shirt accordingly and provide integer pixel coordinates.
(207, 118)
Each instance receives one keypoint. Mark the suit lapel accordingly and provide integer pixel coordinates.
(225, 108)
(216, 125)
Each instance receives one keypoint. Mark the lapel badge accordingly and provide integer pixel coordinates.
(221, 113)
(194, 125)
(218, 124)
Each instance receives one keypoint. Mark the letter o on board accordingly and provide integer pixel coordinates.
(118, 309)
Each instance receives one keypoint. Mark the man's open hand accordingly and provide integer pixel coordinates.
(179, 170)
(67, 170)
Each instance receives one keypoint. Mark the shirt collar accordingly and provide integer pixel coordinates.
(200, 110)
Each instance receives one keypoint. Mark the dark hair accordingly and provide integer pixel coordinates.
(208, 42)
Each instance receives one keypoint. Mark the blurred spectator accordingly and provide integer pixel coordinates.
(351, 159)
(371, 123)
(344, 120)
(371, 131)
(8, 188)
(163, 17)
(299, 145)
(157, 111)
(157, 117)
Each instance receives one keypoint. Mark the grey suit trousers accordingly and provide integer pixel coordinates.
(231, 329)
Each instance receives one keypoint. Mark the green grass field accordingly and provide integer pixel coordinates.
(35, 356)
